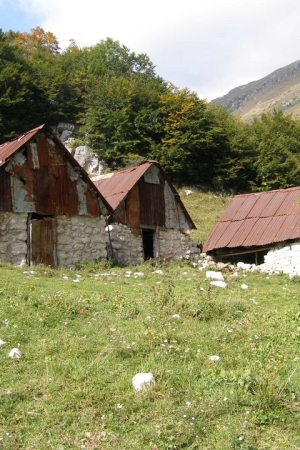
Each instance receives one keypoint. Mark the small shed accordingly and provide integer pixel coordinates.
(50, 211)
(149, 219)
(255, 224)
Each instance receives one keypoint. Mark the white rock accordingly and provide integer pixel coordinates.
(244, 266)
(213, 275)
(220, 284)
(158, 272)
(2, 342)
(214, 358)
(176, 316)
(15, 353)
(188, 192)
(141, 381)
(244, 286)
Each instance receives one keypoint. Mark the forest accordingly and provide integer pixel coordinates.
(127, 113)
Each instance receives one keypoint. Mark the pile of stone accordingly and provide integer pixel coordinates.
(282, 259)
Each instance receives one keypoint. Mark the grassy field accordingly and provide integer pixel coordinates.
(84, 334)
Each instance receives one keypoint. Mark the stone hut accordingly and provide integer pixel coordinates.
(50, 211)
(149, 219)
(260, 228)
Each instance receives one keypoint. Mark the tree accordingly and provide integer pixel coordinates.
(277, 139)
(37, 41)
(119, 118)
(22, 103)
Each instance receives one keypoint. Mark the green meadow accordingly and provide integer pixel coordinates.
(83, 334)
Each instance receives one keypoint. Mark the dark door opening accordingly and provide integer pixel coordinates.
(148, 244)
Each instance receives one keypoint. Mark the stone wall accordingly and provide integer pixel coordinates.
(13, 238)
(178, 243)
(80, 238)
(283, 259)
(127, 249)
(122, 246)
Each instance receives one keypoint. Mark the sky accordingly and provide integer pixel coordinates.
(207, 46)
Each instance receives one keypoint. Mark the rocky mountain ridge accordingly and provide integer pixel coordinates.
(280, 90)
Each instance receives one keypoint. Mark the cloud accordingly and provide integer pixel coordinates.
(206, 46)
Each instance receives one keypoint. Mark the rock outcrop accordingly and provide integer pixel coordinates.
(83, 154)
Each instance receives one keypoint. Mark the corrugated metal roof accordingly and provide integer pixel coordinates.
(116, 188)
(9, 148)
(257, 219)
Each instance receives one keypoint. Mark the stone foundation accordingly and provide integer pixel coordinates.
(177, 243)
(80, 238)
(127, 249)
(122, 246)
(13, 238)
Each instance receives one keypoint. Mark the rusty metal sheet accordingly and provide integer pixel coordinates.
(240, 209)
(92, 203)
(152, 204)
(220, 236)
(5, 191)
(262, 206)
(264, 218)
(119, 215)
(255, 232)
(242, 232)
(116, 187)
(9, 148)
(291, 202)
(289, 229)
(267, 229)
(133, 207)
(38, 150)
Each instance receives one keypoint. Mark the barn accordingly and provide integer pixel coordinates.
(260, 228)
(149, 219)
(50, 211)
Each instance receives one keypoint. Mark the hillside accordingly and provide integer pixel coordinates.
(280, 90)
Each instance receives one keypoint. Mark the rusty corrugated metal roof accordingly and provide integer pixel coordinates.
(116, 187)
(257, 219)
(7, 149)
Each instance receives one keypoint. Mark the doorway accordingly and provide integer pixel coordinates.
(41, 240)
(148, 243)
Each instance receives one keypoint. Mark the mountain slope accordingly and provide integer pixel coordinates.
(280, 90)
